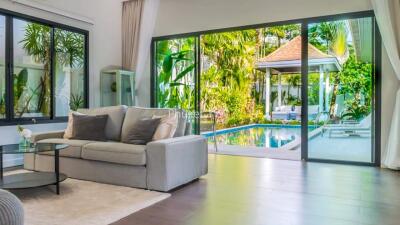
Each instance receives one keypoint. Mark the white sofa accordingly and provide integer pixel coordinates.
(160, 165)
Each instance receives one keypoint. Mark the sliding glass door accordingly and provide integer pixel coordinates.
(341, 90)
(303, 90)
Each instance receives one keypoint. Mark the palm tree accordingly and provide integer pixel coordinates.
(69, 47)
(36, 43)
(331, 37)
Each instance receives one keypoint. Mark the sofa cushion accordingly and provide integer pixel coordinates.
(141, 132)
(116, 116)
(69, 129)
(166, 128)
(133, 114)
(86, 127)
(74, 149)
(115, 152)
(182, 118)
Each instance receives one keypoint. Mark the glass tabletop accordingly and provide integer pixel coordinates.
(32, 148)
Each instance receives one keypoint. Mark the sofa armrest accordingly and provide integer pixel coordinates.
(176, 161)
(46, 135)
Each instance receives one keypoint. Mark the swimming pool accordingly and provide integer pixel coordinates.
(257, 135)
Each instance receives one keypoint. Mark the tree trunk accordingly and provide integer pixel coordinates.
(334, 94)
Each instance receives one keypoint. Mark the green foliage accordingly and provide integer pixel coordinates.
(355, 82)
(313, 89)
(226, 85)
(20, 84)
(3, 105)
(355, 110)
(76, 102)
(229, 79)
(329, 37)
(175, 68)
(69, 48)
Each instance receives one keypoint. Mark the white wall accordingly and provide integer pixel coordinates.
(104, 45)
(181, 16)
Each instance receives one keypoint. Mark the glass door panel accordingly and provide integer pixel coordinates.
(251, 81)
(340, 90)
(175, 77)
(2, 67)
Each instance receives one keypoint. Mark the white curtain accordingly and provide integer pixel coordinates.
(148, 22)
(387, 14)
(132, 12)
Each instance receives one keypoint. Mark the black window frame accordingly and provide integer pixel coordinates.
(377, 79)
(9, 67)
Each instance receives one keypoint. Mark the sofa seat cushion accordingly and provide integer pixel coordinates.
(74, 149)
(115, 152)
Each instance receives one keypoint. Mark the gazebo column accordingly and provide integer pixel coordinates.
(327, 89)
(280, 90)
(321, 89)
(267, 92)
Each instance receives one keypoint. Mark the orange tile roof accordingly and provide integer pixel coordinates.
(292, 51)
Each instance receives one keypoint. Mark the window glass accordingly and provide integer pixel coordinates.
(69, 71)
(32, 63)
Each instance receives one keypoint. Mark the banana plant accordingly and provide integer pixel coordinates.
(175, 63)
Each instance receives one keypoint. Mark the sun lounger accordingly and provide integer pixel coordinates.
(349, 129)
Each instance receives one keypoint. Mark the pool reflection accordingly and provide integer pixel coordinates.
(270, 137)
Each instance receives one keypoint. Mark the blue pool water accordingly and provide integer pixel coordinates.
(257, 135)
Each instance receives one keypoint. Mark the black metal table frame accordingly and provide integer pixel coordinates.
(56, 168)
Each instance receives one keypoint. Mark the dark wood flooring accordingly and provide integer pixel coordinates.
(255, 191)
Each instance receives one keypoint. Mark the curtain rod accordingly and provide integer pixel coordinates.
(53, 10)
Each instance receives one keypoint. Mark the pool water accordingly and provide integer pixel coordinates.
(258, 135)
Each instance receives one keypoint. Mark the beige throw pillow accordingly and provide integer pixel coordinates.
(167, 127)
(69, 129)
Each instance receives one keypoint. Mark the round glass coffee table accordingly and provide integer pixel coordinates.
(32, 179)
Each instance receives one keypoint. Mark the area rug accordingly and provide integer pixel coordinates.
(83, 202)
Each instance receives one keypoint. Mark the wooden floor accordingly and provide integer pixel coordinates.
(247, 191)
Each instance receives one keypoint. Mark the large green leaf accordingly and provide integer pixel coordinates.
(174, 84)
(168, 64)
(184, 72)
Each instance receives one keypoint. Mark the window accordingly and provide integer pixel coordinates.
(43, 70)
(32, 68)
(69, 71)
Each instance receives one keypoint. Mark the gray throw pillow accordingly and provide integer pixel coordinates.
(141, 132)
(87, 127)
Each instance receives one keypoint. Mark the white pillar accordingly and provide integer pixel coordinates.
(327, 90)
(321, 89)
(280, 90)
(267, 92)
